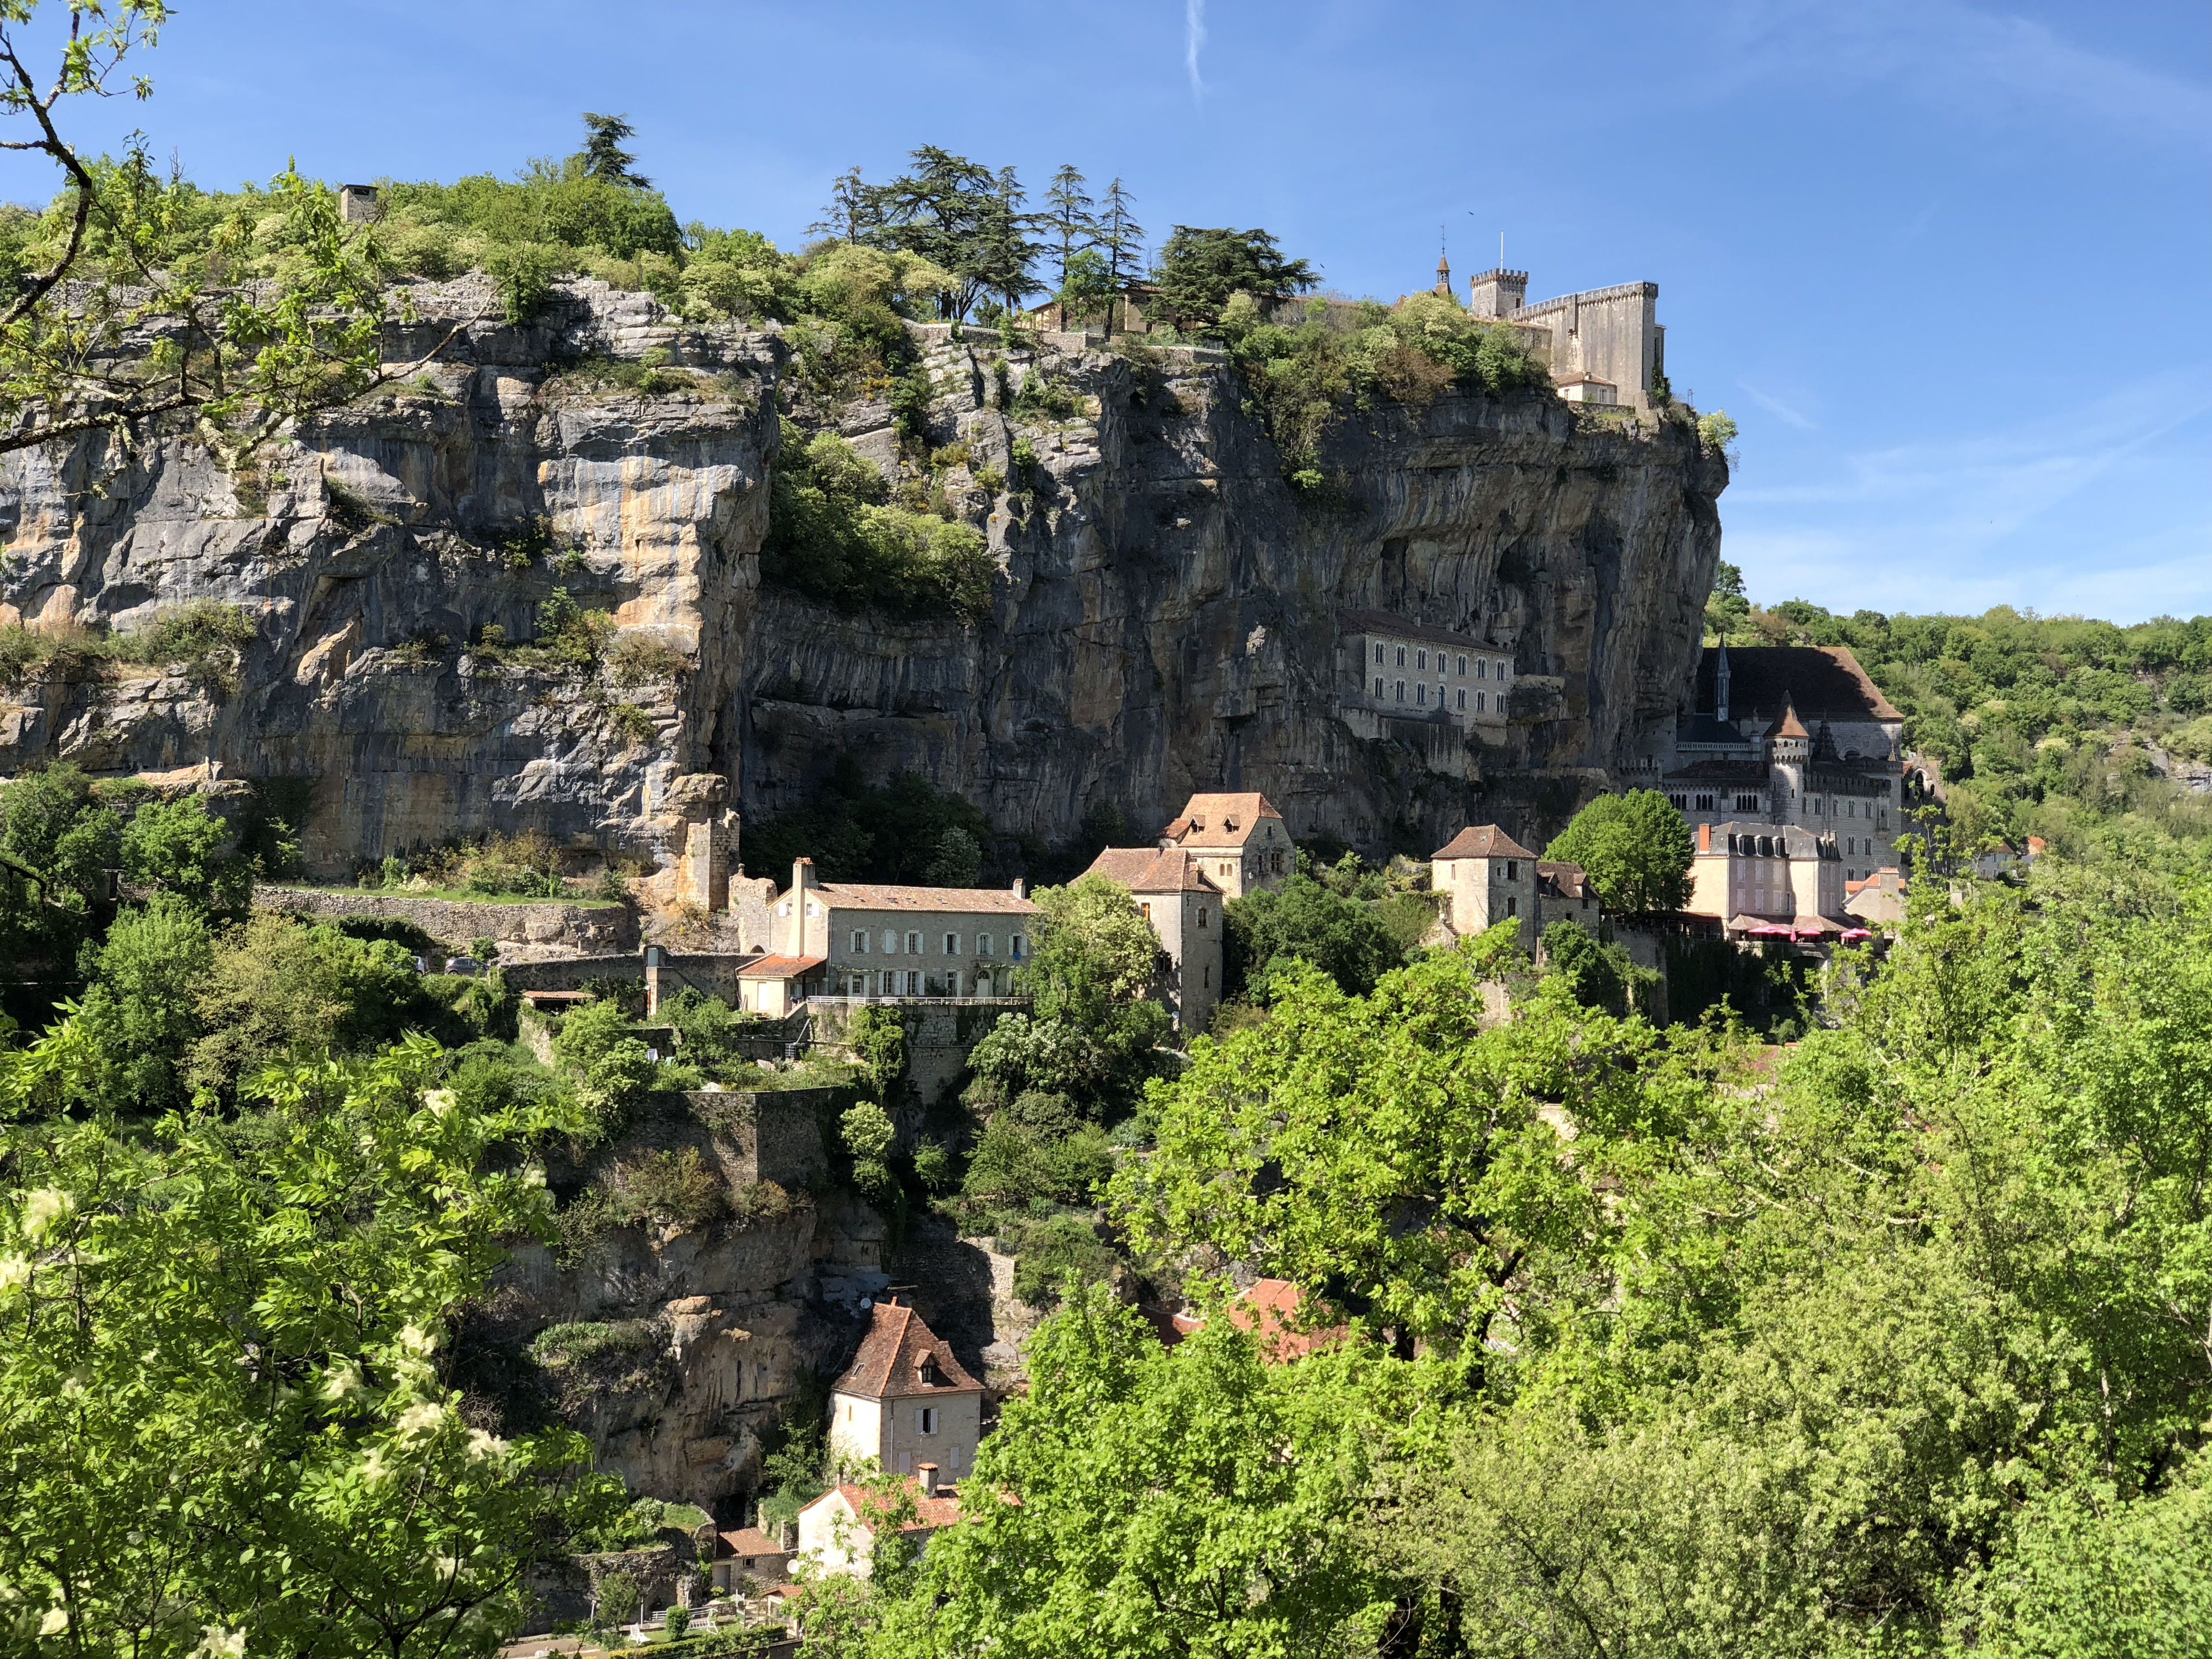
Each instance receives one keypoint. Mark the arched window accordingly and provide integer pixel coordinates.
(1401, 656)
(1378, 654)
(1421, 659)
(1463, 697)
(1421, 695)
(1462, 667)
(1400, 696)
(1378, 684)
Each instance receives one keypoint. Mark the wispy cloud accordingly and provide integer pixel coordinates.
(1776, 408)
(1194, 41)
(1968, 58)
(1965, 525)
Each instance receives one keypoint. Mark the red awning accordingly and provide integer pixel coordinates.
(1858, 932)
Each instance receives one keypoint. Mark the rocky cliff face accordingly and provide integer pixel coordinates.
(1166, 619)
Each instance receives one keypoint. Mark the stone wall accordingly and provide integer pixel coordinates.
(940, 1031)
(581, 928)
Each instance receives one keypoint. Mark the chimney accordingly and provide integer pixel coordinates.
(1705, 838)
(928, 1473)
(1021, 888)
(802, 878)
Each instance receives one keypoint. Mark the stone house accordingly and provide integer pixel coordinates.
(1240, 841)
(878, 940)
(905, 1401)
(837, 1530)
(775, 985)
(1877, 898)
(1489, 878)
(1401, 670)
(749, 1553)
(1184, 905)
(1751, 875)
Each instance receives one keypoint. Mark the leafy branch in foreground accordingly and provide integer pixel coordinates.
(138, 298)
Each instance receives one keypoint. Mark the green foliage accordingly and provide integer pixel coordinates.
(1272, 934)
(1055, 1252)
(2042, 725)
(140, 1016)
(1184, 1500)
(1716, 431)
(854, 830)
(1600, 975)
(1199, 270)
(1299, 379)
(878, 1037)
(202, 1448)
(960, 217)
(1027, 1161)
(833, 537)
(1636, 849)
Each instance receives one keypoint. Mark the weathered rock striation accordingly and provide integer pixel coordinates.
(1166, 617)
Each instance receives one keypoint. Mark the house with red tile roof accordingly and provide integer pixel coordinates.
(1173, 892)
(905, 1401)
(749, 1553)
(837, 1531)
(1271, 1309)
(1240, 841)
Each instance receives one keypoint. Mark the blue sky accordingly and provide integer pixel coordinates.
(1946, 264)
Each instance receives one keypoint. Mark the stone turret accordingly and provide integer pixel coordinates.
(1497, 292)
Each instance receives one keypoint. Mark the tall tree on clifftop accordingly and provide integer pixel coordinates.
(1069, 218)
(604, 154)
(1121, 239)
(1200, 269)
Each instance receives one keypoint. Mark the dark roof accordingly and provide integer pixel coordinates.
(1148, 870)
(1822, 680)
(1398, 628)
(1482, 840)
(890, 1362)
(1720, 771)
(1790, 841)
(1567, 880)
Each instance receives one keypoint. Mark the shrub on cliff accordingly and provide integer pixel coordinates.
(833, 537)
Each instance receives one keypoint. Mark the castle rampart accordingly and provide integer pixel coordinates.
(1611, 332)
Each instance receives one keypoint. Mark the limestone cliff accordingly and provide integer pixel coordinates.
(1165, 620)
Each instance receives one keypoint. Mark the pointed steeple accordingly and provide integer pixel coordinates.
(1721, 684)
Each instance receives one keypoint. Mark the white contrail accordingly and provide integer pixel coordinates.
(1193, 38)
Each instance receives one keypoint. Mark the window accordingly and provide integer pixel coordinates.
(1400, 696)
(1850, 843)
(1014, 947)
(906, 1462)
(1421, 695)
(1747, 803)
(812, 909)
(1440, 696)
(1463, 697)
(1482, 668)
(1882, 819)
(1401, 656)
(1462, 667)
(1145, 909)
(914, 945)
(1420, 660)
(1513, 869)
(1201, 918)
(1851, 809)
(890, 943)
(1378, 688)
(1208, 972)
(1512, 907)
(925, 1420)
(859, 941)
(952, 983)
(982, 944)
(1482, 702)
(1679, 803)
(1704, 803)
(952, 944)
(1378, 654)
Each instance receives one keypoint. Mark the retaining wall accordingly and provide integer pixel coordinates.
(603, 927)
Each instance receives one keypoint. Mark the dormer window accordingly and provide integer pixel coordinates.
(933, 1375)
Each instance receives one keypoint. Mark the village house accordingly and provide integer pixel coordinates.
(905, 1401)
(750, 1553)
(1240, 841)
(1767, 880)
(1183, 904)
(837, 1530)
(871, 939)
(1400, 670)
(1490, 877)
(1797, 736)
(1877, 898)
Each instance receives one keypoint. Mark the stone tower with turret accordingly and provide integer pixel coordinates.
(1498, 293)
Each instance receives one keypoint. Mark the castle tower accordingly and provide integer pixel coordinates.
(1788, 748)
(1498, 293)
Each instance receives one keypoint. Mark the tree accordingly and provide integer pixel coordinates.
(124, 308)
(1391, 1150)
(1199, 270)
(228, 1427)
(1121, 239)
(604, 154)
(1270, 932)
(1088, 281)
(1071, 222)
(140, 1015)
(855, 212)
(1635, 850)
(1727, 612)
(962, 218)
(957, 860)
(176, 847)
(1600, 975)
(1171, 1501)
